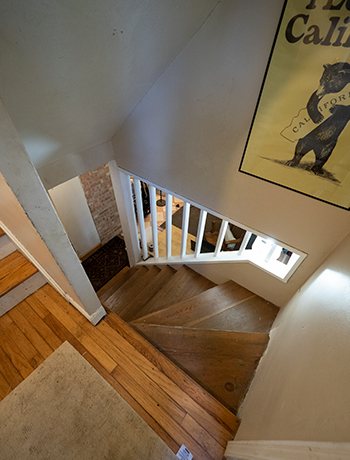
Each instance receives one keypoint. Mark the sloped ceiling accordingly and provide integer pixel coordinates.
(72, 70)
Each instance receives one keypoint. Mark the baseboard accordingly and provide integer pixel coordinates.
(94, 318)
(89, 253)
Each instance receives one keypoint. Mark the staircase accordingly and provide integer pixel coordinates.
(178, 348)
(215, 333)
(19, 278)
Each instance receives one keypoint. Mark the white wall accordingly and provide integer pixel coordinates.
(188, 135)
(71, 72)
(70, 166)
(74, 213)
(301, 388)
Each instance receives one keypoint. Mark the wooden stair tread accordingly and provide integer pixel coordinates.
(150, 291)
(126, 313)
(112, 282)
(204, 399)
(184, 284)
(14, 269)
(118, 280)
(146, 292)
(223, 362)
(172, 408)
(253, 315)
(115, 301)
(2, 233)
(205, 305)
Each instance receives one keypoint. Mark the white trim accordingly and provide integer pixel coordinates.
(208, 258)
(123, 195)
(198, 205)
(246, 238)
(153, 198)
(279, 272)
(94, 318)
(141, 220)
(221, 237)
(200, 232)
(168, 224)
(184, 232)
(287, 450)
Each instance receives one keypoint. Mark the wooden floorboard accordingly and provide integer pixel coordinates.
(154, 382)
(14, 269)
(226, 419)
(223, 362)
(32, 355)
(35, 328)
(65, 335)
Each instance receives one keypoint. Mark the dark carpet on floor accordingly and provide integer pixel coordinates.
(106, 262)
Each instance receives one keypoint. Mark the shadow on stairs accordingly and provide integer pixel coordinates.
(215, 333)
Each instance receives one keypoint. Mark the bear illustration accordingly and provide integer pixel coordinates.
(323, 138)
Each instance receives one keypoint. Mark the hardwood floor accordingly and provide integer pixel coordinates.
(175, 242)
(178, 410)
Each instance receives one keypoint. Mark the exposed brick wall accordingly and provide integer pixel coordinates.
(99, 194)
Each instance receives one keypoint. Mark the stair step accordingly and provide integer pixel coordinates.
(200, 307)
(184, 284)
(127, 313)
(253, 315)
(222, 362)
(120, 278)
(14, 269)
(140, 300)
(196, 392)
(2, 232)
(112, 282)
(175, 412)
(204, 399)
(115, 301)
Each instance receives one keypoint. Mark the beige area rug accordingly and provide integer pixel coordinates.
(66, 410)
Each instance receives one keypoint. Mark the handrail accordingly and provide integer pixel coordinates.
(257, 254)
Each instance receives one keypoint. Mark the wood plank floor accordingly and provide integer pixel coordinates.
(32, 330)
(14, 269)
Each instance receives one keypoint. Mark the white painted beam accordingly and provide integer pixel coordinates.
(41, 231)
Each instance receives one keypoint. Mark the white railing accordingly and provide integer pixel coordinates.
(276, 258)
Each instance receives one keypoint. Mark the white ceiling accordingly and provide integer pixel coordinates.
(72, 70)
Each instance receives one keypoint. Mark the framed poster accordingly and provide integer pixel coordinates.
(300, 135)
